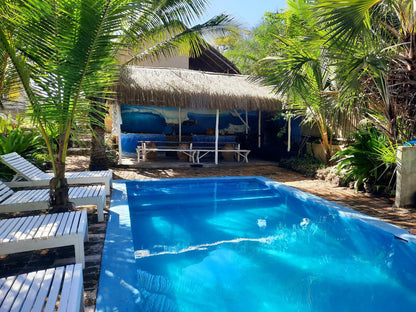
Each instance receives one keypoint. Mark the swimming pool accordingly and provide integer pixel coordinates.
(248, 244)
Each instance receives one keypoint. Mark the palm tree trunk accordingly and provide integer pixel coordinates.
(98, 158)
(58, 190)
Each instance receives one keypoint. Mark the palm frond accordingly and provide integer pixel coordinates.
(346, 20)
(184, 41)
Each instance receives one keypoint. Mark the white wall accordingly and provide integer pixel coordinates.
(406, 177)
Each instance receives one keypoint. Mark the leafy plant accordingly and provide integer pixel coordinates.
(378, 59)
(370, 158)
(23, 141)
(15, 137)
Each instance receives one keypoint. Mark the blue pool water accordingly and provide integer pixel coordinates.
(248, 244)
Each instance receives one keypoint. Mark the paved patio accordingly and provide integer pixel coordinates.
(378, 207)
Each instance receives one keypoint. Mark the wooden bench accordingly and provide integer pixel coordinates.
(43, 290)
(45, 231)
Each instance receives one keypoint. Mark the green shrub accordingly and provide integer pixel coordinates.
(370, 159)
(15, 137)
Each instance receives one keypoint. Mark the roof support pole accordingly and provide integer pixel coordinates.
(217, 122)
(259, 134)
(180, 125)
(118, 121)
(289, 134)
(247, 127)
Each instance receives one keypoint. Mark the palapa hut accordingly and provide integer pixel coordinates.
(189, 90)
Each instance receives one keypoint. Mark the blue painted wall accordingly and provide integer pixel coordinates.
(151, 119)
(151, 123)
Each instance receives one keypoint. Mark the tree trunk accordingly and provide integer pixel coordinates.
(98, 158)
(58, 191)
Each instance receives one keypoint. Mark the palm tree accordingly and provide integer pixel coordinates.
(384, 32)
(63, 53)
(9, 82)
(302, 70)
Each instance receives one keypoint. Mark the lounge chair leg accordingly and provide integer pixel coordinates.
(79, 251)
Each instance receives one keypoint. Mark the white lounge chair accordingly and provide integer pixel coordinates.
(45, 231)
(27, 200)
(44, 290)
(28, 175)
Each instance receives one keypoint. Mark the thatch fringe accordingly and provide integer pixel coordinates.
(172, 87)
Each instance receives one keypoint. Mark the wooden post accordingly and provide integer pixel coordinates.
(289, 134)
(217, 122)
(180, 125)
(118, 121)
(259, 134)
(246, 124)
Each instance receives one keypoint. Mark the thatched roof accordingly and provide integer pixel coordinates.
(172, 87)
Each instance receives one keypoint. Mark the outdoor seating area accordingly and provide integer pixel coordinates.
(23, 230)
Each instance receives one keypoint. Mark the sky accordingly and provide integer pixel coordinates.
(248, 13)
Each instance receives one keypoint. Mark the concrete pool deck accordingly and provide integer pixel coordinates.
(379, 207)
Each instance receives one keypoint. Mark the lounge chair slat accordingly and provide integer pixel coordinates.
(5, 288)
(49, 227)
(42, 226)
(30, 234)
(43, 290)
(27, 226)
(33, 291)
(73, 294)
(55, 289)
(61, 228)
(13, 292)
(19, 229)
(66, 288)
(8, 226)
(21, 297)
(68, 224)
(77, 218)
